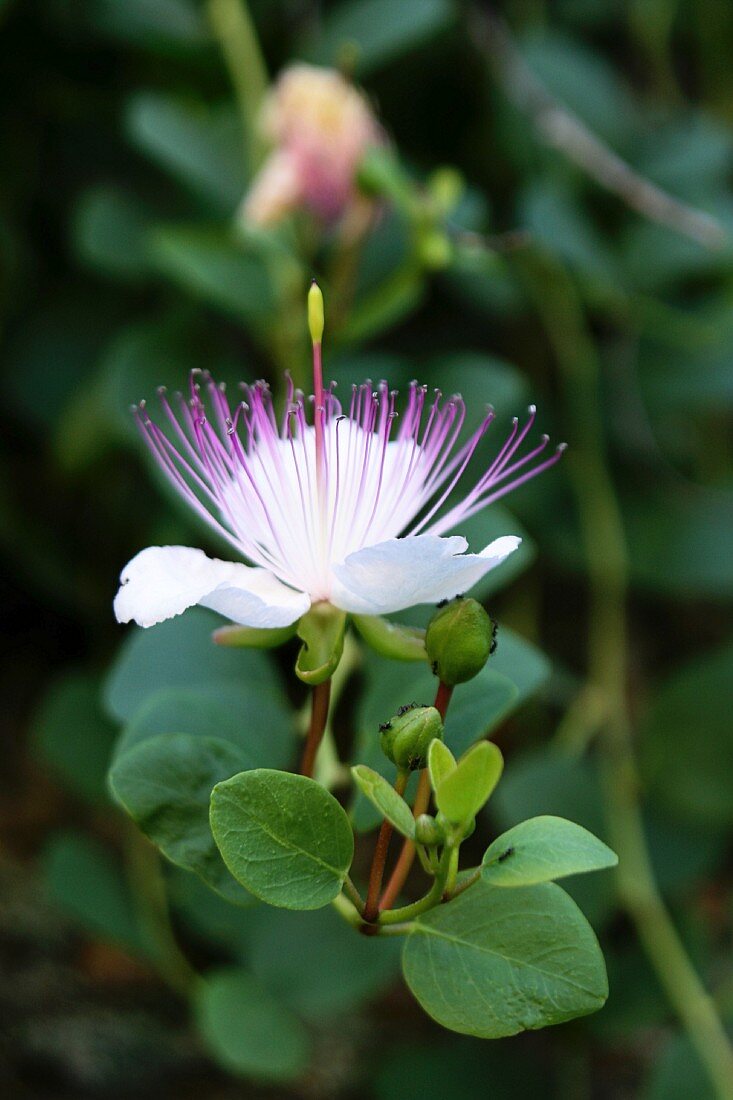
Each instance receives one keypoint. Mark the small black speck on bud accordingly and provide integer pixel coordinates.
(408, 706)
(505, 855)
(406, 738)
(385, 726)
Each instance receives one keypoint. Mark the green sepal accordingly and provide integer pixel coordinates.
(462, 793)
(390, 805)
(250, 637)
(393, 640)
(322, 632)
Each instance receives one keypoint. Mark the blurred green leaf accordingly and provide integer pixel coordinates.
(458, 1069)
(222, 709)
(377, 310)
(178, 654)
(73, 736)
(583, 80)
(212, 265)
(54, 351)
(86, 882)
(481, 380)
(202, 146)
(337, 973)
(378, 30)
(283, 836)
(557, 220)
(687, 740)
(153, 24)
(521, 662)
(532, 957)
(165, 785)
(677, 1074)
(676, 534)
(110, 231)
(247, 1031)
(655, 258)
(689, 155)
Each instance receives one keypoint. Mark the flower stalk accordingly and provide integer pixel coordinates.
(320, 700)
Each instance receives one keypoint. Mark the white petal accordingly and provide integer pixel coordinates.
(163, 581)
(254, 597)
(404, 572)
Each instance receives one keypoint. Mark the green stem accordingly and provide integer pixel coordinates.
(151, 900)
(467, 882)
(602, 530)
(430, 900)
(232, 25)
(353, 894)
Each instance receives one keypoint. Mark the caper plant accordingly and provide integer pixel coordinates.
(343, 521)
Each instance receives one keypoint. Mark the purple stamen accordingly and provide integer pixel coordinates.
(262, 485)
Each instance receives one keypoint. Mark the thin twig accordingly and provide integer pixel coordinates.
(371, 908)
(564, 131)
(320, 699)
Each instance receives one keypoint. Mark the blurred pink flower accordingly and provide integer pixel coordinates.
(320, 126)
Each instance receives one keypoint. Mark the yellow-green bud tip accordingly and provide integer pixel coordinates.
(315, 313)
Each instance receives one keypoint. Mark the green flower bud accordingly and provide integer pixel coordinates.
(459, 641)
(405, 739)
(428, 832)
(447, 826)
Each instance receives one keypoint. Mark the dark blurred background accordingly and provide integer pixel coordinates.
(599, 287)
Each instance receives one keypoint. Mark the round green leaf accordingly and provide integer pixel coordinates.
(165, 784)
(282, 836)
(493, 962)
(247, 1031)
(543, 849)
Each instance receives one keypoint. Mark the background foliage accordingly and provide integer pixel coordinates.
(123, 162)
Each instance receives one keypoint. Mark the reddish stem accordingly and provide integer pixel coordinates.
(422, 801)
(371, 907)
(319, 716)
